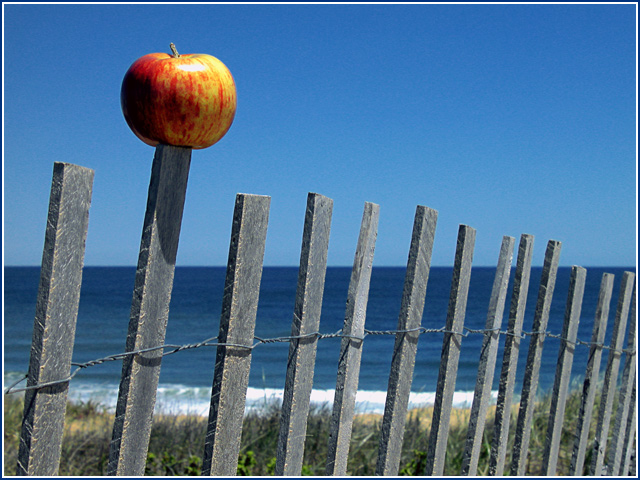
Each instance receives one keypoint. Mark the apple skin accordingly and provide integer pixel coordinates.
(185, 101)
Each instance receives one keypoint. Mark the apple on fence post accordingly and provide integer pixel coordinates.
(181, 100)
(175, 103)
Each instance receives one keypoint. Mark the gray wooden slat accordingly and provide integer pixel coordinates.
(630, 429)
(510, 356)
(591, 375)
(563, 370)
(55, 319)
(404, 351)
(630, 433)
(237, 326)
(614, 458)
(448, 373)
(306, 320)
(149, 310)
(351, 348)
(532, 367)
(488, 356)
(611, 375)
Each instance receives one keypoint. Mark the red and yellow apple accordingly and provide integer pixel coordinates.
(181, 100)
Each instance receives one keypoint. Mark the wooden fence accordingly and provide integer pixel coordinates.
(57, 305)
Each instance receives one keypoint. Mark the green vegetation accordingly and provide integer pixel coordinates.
(177, 442)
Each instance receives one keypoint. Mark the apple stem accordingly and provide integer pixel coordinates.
(174, 50)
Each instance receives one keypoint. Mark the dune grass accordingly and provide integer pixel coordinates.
(177, 442)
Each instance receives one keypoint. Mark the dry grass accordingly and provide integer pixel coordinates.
(177, 442)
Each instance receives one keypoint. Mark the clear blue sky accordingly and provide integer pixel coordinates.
(509, 118)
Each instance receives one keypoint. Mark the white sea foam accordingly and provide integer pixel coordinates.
(182, 399)
(179, 399)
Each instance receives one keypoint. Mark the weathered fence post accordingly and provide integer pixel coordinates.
(630, 433)
(406, 343)
(55, 320)
(351, 346)
(149, 310)
(450, 352)
(510, 356)
(532, 368)
(591, 375)
(611, 374)
(306, 320)
(237, 326)
(563, 370)
(630, 427)
(488, 356)
(614, 459)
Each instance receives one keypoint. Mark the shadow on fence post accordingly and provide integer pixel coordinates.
(55, 320)
(149, 310)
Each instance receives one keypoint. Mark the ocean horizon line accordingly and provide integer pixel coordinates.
(334, 266)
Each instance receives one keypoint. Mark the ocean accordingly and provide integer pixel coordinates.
(186, 376)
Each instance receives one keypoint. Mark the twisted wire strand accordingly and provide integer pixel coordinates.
(212, 342)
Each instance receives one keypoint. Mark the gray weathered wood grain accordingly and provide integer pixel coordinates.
(630, 428)
(563, 370)
(55, 319)
(591, 375)
(306, 320)
(237, 327)
(510, 356)
(630, 433)
(534, 355)
(404, 351)
(614, 457)
(487, 362)
(149, 310)
(351, 347)
(611, 375)
(439, 433)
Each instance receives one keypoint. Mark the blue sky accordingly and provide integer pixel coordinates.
(509, 118)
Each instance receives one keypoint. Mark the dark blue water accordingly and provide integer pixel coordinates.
(194, 316)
